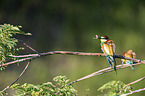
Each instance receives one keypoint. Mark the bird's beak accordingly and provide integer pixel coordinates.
(97, 37)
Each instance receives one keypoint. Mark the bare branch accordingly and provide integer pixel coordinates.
(61, 52)
(106, 70)
(18, 77)
(20, 60)
(33, 56)
(133, 92)
(22, 56)
(134, 81)
(26, 45)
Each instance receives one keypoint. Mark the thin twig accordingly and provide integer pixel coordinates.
(26, 45)
(19, 60)
(133, 92)
(134, 81)
(22, 56)
(102, 72)
(18, 77)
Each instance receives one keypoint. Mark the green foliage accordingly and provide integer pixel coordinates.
(46, 89)
(115, 88)
(7, 43)
(3, 93)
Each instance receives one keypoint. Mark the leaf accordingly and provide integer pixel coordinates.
(46, 89)
(115, 87)
(7, 43)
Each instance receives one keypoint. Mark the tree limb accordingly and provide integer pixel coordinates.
(33, 56)
(102, 71)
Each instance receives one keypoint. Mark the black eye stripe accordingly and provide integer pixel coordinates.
(103, 38)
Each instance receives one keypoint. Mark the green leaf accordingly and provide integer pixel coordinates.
(115, 87)
(7, 43)
(47, 89)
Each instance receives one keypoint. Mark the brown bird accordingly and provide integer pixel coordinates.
(129, 54)
(108, 48)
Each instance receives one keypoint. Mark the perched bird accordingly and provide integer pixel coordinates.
(129, 54)
(108, 48)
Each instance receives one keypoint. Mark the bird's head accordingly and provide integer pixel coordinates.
(103, 38)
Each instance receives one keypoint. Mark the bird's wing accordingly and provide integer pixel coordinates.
(106, 49)
(109, 47)
(133, 55)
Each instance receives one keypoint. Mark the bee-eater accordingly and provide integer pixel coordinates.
(108, 48)
(129, 54)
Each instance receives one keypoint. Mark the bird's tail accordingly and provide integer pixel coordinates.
(114, 64)
(109, 61)
(130, 63)
(132, 68)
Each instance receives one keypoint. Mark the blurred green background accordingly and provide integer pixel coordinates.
(70, 25)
